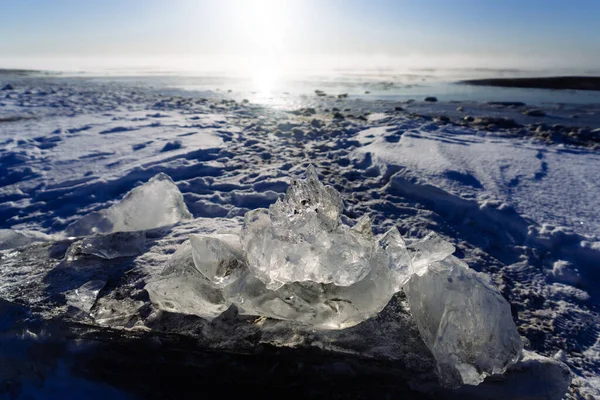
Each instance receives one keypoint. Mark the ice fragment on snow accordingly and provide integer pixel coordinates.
(397, 258)
(85, 296)
(155, 204)
(428, 250)
(10, 238)
(183, 289)
(218, 257)
(364, 227)
(465, 322)
(114, 245)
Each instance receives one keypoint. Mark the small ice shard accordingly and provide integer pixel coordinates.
(85, 296)
(397, 257)
(9, 238)
(183, 289)
(465, 322)
(155, 204)
(114, 245)
(428, 250)
(218, 257)
(364, 227)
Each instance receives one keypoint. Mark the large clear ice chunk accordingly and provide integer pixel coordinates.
(297, 261)
(465, 322)
(155, 204)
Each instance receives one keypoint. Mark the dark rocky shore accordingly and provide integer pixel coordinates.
(557, 83)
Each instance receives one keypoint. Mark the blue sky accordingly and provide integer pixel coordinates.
(548, 29)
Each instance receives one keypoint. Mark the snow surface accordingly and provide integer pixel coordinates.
(549, 185)
(521, 211)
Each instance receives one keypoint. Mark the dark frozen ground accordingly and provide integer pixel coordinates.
(556, 83)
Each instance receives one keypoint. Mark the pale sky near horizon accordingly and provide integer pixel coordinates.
(548, 31)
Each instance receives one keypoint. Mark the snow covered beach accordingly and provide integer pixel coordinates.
(518, 200)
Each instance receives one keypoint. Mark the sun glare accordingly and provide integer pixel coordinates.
(265, 25)
(266, 75)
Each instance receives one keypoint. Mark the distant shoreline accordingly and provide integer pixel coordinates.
(556, 83)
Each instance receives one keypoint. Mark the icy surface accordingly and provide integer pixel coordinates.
(155, 204)
(465, 322)
(84, 296)
(11, 238)
(114, 245)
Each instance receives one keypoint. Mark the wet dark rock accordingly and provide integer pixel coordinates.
(585, 133)
(174, 145)
(316, 123)
(306, 112)
(320, 93)
(555, 82)
(8, 87)
(506, 103)
(343, 96)
(298, 133)
(431, 99)
(534, 113)
(500, 122)
(286, 126)
(398, 109)
(338, 115)
(392, 138)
